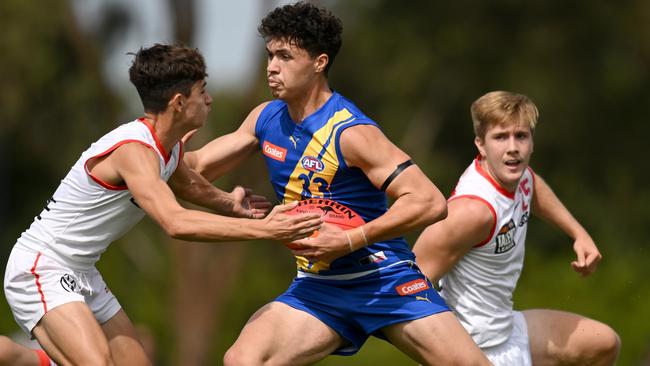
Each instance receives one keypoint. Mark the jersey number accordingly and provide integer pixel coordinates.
(323, 187)
(47, 205)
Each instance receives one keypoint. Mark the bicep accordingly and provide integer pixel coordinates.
(139, 167)
(544, 202)
(367, 148)
(441, 245)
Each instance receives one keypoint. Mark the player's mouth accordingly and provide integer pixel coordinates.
(273, 83)
(512, 163)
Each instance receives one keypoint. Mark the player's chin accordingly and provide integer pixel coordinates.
(512, 175)
(275, 92)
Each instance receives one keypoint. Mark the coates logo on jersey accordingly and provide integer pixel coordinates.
(312, 164)
(274, 152)
(412, 287)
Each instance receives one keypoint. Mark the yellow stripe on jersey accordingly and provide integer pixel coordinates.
(317, 181)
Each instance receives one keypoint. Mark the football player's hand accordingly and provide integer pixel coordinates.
(329, 243)
(588, 255)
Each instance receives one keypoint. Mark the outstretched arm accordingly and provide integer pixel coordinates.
(469, 222)
(549, 207)
(138, 167)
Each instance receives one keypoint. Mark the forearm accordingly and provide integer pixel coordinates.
(208, 196)
(190, 186)
(201, 226)
(409, 212)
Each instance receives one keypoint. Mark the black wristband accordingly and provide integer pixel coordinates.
(400, 168)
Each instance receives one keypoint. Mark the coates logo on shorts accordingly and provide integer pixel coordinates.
(274, 152)
(412, 287)
(312, 164)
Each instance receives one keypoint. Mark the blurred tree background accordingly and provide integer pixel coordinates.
(415, 67)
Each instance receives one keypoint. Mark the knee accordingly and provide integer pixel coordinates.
(235, 357)
(238, 356)
(601, 348)
(608, 346)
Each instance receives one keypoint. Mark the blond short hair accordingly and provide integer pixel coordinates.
(502, 108)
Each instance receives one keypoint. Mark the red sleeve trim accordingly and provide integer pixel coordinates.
(494, 215)
(108, 151)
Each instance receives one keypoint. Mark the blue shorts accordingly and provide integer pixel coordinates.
(361, 307)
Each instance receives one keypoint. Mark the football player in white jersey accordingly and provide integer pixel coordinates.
(477, 252)
(51, 284)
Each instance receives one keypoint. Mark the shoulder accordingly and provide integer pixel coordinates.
(133, 129)
(359, 116)
(265, 112)
(270, 108)
(358, 138)
(250, 123)
(473, 207)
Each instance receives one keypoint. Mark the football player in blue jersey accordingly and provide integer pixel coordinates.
(351, 283)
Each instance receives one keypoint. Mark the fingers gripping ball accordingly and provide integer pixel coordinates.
(333, 213)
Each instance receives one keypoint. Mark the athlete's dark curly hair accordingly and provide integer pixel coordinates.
(160, 71)
(313, 29)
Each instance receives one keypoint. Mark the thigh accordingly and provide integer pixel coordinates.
(278, 334)
(558, 337)
(70, 335)
(123, 341)
(34, 284)
(437, 339)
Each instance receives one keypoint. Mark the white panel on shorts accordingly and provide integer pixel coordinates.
(516, 350)
(35, 284)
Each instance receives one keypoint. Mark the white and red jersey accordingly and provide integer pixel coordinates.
(479, 287)
(86, 214)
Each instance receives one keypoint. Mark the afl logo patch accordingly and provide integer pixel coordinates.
(312, 164)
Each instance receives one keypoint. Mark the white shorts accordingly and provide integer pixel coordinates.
(35, 284)
(516, 350)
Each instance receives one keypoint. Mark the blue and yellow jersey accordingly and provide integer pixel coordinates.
(305, 161)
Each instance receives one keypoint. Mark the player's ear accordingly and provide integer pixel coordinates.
(320, 62)
(177, 102)
(480, 145)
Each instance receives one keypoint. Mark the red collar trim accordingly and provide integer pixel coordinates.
(494, 183)
(160, 147)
